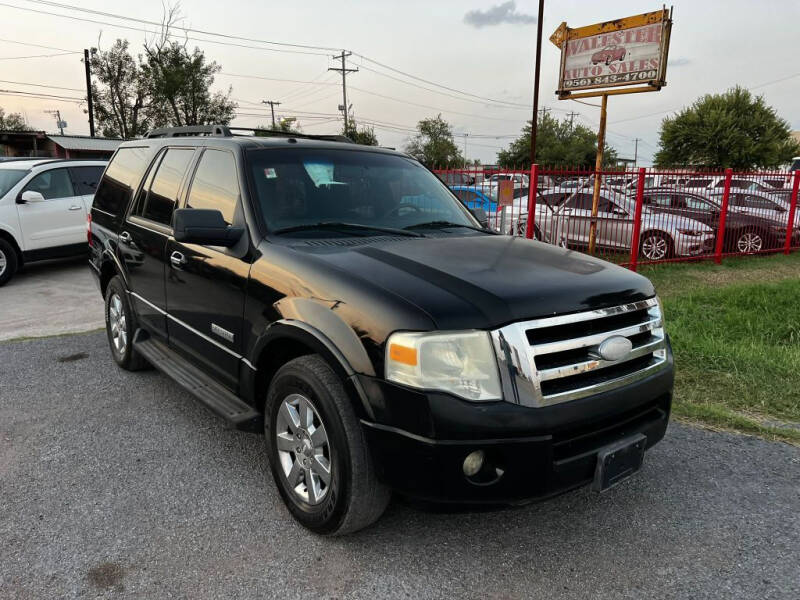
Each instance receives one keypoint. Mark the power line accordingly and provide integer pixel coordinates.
(37, 56)
(55, 87)
(35, 45)
(40, 96)
(158, 24)
(272, 105)
(344, 71)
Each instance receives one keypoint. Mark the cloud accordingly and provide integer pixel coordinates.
(678, 62)
(498, 15)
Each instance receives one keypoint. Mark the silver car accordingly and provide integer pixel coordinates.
(566, 222)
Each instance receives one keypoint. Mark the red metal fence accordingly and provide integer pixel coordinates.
(644, 215)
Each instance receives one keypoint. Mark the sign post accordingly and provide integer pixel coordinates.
(623, 56)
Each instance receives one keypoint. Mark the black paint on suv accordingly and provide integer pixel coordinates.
(340, 300)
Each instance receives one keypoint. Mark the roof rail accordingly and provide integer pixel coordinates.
(225, 131)
(292, 134)
(212, 130)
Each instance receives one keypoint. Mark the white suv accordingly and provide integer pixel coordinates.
(43, 208)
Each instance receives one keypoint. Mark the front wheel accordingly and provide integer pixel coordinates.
(318, 452)
(655, 246)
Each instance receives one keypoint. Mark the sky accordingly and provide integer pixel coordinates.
(472, 61)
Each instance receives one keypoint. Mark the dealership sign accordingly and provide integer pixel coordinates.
(623, 52)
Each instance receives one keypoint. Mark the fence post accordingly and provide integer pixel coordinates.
(723, 214)
(533, 189)
(792, 211)
(637, 220)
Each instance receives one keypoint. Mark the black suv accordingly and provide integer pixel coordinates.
(340, 299)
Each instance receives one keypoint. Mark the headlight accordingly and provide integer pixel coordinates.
(462, 363)
(691, 232)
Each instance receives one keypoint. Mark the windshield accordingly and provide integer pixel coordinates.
(306, 187)
(9, 178)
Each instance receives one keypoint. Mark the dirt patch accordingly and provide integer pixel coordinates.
(106, 575)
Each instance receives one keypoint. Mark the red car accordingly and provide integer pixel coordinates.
(608, 54)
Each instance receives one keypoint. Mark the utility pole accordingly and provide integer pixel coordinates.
(534, 124)
(272, 105)
(465, 150)
(544, 110)
(635, 151)
(90, 105)
(344, 71)
(571, 116)
(59, 123)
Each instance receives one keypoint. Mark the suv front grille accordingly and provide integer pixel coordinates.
(556, 359)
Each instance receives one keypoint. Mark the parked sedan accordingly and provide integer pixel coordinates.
(474, 197)
(761, 204)
(567, 222)
(744, 232)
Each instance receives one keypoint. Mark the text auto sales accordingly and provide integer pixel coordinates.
(646, 39)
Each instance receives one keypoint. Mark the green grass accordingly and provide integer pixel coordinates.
(735, 331)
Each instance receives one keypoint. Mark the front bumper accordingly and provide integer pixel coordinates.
(419, 440)
(687, 245)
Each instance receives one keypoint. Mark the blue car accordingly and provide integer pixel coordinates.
(473, 197)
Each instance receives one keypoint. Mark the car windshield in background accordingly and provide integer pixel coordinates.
(308, 191)
(9, 178)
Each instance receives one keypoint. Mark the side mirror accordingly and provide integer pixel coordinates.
(206, 227)
(30, 196)
(619, 212)
(480, 216)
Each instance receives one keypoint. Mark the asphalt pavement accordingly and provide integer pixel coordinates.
(119, 485)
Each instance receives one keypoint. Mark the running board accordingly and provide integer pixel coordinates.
(215, 396)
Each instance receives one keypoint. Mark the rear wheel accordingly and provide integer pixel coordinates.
(8, 261)
(120, 327)
(317, 450)
(655, 246)
(749, 242)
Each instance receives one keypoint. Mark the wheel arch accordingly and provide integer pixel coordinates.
(287, 339)
(9, 237)
(109, 267)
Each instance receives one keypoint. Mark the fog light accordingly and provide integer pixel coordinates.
(473, 463)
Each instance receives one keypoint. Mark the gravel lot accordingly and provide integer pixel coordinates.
(118, 485)
(50, 297)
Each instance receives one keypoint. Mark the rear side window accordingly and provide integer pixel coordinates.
(584, 202)
(52, 184)
(122, 176)
(85, 179)
(215, 184)
(160, 201)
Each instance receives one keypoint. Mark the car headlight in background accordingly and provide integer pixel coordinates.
(692, 232)
(462, 363)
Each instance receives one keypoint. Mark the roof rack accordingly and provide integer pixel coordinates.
(225, 131)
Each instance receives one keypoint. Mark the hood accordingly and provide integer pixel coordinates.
(484, 281)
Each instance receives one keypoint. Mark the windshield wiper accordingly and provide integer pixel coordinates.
(446, 224)
(338, 225)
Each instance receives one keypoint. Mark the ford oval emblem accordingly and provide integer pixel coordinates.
(615, 348)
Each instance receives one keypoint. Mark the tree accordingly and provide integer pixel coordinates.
(180, 82)
(731, 130)
(558, 144)
(120, 91)
(433, 145)
(12, 122)
(363, 135)
(284, 125)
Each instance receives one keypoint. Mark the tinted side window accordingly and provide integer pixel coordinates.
(51, 184)
(584, 202)
(215, 184)
(166, 184)
(85, 179)
(121, 177)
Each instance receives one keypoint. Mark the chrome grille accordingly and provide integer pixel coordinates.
(556, 359)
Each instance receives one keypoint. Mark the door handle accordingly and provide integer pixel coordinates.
(75, 207)
(125, 237)
(177, 259)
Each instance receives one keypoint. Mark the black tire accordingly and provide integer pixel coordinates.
(655, 239)
(9, 261)
(124, 353)
(354, 498)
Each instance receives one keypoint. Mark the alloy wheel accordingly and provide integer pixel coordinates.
(654, 247)
(749, 243)
(303, 449)
(118, 324)
(3, 262)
